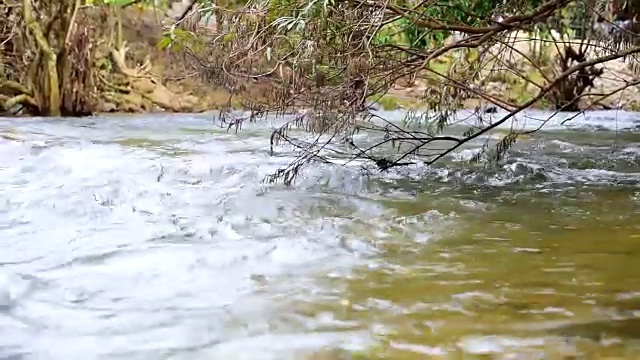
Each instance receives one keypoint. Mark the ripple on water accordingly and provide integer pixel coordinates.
(149, 264)
(138, 239)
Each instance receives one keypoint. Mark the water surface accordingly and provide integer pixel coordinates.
(153, 237)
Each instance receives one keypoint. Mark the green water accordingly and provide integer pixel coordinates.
(530, 274)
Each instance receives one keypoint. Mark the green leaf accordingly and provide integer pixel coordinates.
(164, 43)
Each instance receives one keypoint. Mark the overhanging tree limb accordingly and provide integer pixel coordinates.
(543, 92)
(363, 49)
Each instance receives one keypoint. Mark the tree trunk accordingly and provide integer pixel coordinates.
(51, 88)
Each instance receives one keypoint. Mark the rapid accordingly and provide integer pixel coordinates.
(155, 237)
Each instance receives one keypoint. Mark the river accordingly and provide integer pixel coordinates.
(154, 237)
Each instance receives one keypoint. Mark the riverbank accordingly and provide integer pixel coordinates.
(157, 79)
(142, 31)
(513, 79)
(100, 59)
(516, 71)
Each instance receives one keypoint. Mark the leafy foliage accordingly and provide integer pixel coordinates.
(328, 57)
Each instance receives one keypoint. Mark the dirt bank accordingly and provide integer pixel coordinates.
(169, 73)
(175, 82)
(508, 87)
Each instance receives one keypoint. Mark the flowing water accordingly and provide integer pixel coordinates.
(154, 237)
